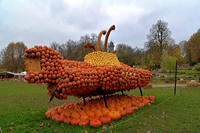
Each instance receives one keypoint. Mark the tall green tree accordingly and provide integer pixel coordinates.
(125, 54)
(167, 62)
(139, 56)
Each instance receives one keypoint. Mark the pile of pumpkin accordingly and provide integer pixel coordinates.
(94, 113)
(101, 73)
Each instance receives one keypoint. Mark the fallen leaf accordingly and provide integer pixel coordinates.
(49, 124)
(41, 124)
(86, 131)
(104, 128)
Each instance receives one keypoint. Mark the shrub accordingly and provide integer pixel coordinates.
(197, 67)
(167, 62)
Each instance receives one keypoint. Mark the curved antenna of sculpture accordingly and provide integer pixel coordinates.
(107, 36)
(103, 32)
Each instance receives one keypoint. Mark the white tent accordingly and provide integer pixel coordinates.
(18, 75)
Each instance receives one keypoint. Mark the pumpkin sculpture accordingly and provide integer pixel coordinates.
(101, 73)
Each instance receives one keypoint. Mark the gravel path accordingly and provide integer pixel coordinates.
(168, 85)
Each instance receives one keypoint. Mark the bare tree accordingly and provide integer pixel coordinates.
(1, 58)
(159, 36)
(183, 48)
(55, 46)
(111, 47)
(159, 39)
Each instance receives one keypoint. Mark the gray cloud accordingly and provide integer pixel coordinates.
(42, 22)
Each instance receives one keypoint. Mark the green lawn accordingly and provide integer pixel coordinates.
(157, 82)
(22, 108)
(186, 71)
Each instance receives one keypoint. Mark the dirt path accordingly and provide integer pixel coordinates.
(168, 85)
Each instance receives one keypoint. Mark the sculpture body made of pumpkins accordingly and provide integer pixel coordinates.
(101, 72)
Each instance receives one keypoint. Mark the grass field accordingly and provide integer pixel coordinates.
(22, 108)
(157, 82)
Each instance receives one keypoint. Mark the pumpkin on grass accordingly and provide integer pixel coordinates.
(77, 113)
(114, 115)
(129, 110)
(58, 118)
(84, 122)
(67, 120)
(105, 119)
(123, 112)
(75, 121)
(95, 122)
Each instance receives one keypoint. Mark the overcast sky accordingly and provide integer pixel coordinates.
(45, 21)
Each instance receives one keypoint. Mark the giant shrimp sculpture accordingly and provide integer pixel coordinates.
(101, 73)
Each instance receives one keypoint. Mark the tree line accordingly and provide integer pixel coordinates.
(160, 50)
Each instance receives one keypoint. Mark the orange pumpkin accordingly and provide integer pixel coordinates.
(53, 112)
(67, 120)
(114, 115)
(83, 116)
(105, 119)
(75, 121)
(75, 115)
(95, 123)
(123, 112)
(57, 118)
(105, 111)
(84, 122)
(129, 110)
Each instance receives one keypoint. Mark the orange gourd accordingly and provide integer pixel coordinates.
(58, 118)
(114, 115)
(95, 123)
(75, 121)
(123, 112)
(105, 119)
(67, 120)
(84, 122)
(129, 110)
